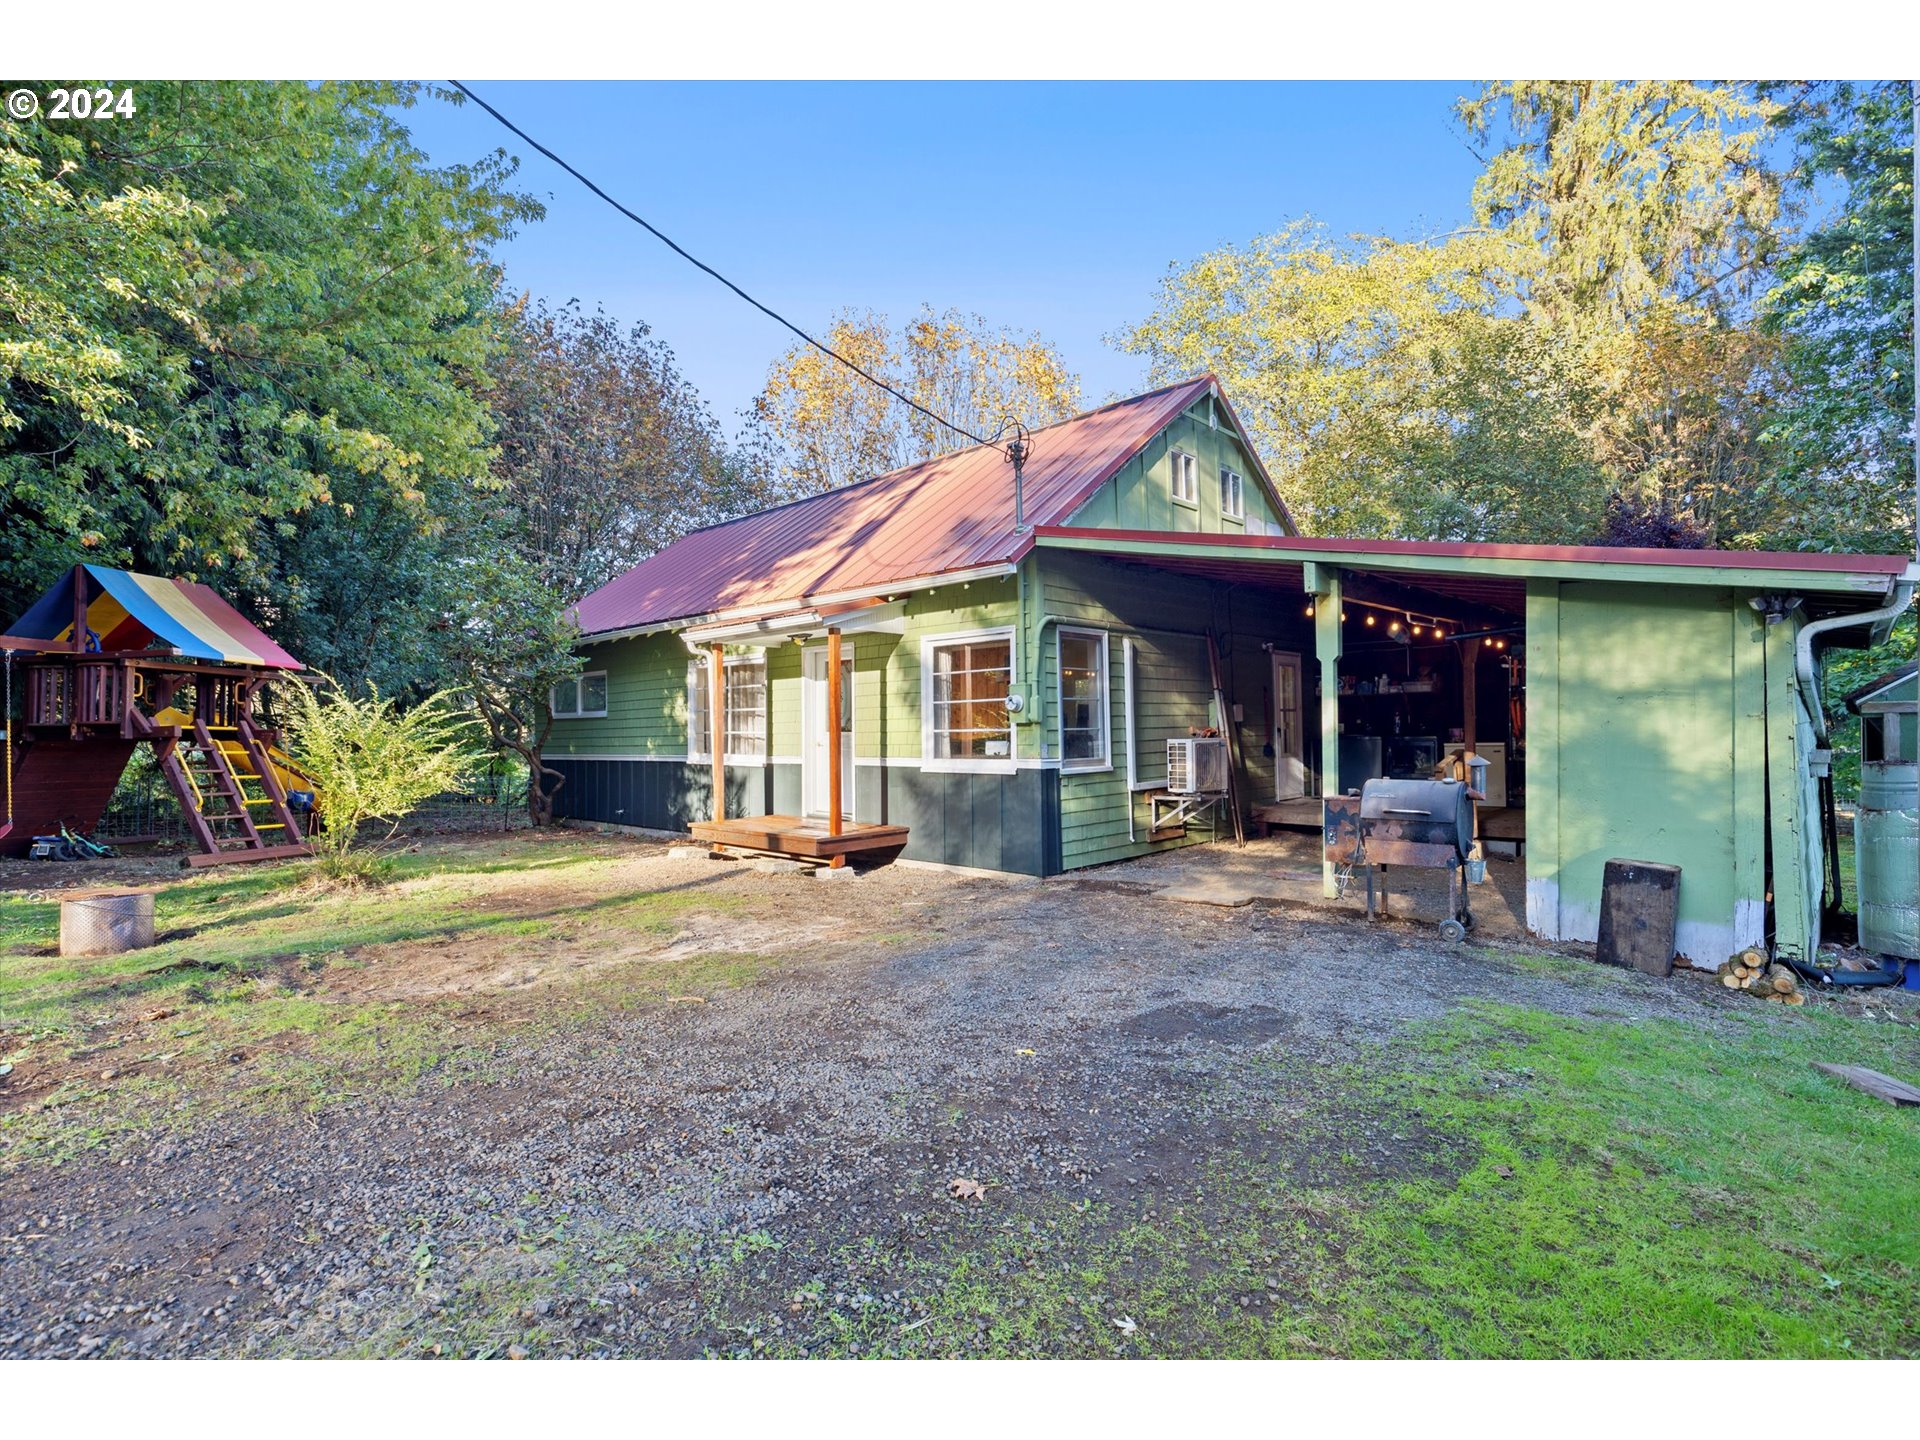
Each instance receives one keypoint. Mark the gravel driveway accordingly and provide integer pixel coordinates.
(722, 1176)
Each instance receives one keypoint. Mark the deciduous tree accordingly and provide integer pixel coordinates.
(829, 427)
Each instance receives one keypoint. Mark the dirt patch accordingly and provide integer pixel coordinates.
(665, 1177)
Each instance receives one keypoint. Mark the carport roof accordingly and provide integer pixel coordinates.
(1493, 574)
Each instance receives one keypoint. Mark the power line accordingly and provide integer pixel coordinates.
(700, 264)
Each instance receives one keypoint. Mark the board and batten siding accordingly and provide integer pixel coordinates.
(1647, 732)
(1167, 618)
(1140, 495)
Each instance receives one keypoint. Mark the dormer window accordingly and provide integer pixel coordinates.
(1184, 478)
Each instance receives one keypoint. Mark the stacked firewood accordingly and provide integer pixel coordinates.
(1752, 972)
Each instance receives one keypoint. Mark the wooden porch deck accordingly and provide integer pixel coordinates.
(801, 838)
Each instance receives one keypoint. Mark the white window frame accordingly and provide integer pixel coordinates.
(1104, 761)
(984, 764)
(699, 740)
(1183, 464)
(578, 684)
(1239, 510)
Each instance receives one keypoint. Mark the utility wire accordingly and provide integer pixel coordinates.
(700, 264)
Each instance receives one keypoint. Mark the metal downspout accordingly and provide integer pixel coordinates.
(1805, 666)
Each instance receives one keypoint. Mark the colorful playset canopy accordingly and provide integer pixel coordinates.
(125, 611)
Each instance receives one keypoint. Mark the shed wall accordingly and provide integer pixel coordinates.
(1646, 740)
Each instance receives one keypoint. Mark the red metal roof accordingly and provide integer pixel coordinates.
(1308, 546)
(949, 514)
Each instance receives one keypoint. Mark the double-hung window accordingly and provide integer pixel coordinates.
(746, 709)
(965, 682)
(1183, 476)
(1084, 701)
(1233, 498)
(582, 698)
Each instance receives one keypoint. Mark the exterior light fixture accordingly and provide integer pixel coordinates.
(1369, 620)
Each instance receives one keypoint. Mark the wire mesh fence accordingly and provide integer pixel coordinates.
(145, 810)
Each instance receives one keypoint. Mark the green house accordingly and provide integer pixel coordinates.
(1024, 654)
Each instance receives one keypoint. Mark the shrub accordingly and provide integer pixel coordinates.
(373, 763)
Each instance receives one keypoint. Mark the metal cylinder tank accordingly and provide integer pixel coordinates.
(1886, 831)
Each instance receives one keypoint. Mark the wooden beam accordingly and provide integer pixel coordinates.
(834, 722)
(1469, 692)
(717, 725)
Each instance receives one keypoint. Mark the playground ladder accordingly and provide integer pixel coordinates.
(221, 788)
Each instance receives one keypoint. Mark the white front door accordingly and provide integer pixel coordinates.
(813, 731)
(1289, 769)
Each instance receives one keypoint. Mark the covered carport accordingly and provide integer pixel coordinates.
(1658, 702)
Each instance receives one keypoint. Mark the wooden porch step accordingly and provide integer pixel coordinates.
(803, 838)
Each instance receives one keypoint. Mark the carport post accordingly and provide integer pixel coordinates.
(717, 725)
(1323, 583)
(834, 722)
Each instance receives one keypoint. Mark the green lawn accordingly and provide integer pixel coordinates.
(258, 963)
(1554, 1187)
(1585, 1189)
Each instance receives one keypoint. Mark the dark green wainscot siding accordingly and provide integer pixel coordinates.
(987, 821)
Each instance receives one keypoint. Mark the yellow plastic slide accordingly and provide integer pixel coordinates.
(290, 775)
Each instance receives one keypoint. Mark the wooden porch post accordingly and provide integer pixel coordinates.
(717, 725)
(834, 722)
(1323, 583)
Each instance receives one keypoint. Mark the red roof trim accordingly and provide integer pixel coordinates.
(1821, 561)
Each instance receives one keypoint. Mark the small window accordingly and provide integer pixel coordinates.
(1233, 500)
(1083, 700)
(1184, 477)
(746, 709)
(968, 682)
(582, 698)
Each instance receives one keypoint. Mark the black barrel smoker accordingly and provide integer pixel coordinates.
(1417, 824)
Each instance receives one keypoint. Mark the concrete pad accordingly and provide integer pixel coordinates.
(844, 872)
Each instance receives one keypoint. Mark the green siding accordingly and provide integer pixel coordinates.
(1140, 496)
(646, 702)
(1639, 727)
(1793, 799)
(1167, 618)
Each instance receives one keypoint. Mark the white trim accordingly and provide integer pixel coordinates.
(1276, 657)
(1175, 453)
(704, 755)
(742, 760)
(1104, 765)
(1240, 489)
(983, 765)
(808, 624)
(1000, 570)
(809, 721)
(577, 681)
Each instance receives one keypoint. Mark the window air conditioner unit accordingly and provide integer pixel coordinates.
(1197, 766)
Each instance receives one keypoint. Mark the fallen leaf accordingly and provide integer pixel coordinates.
(1024, 1052)
(1505, 1172)
(1125, 1325)
(961, 1188)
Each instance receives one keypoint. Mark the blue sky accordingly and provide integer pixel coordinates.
(1050, 207)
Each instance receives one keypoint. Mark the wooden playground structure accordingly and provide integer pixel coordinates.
(108, 660)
